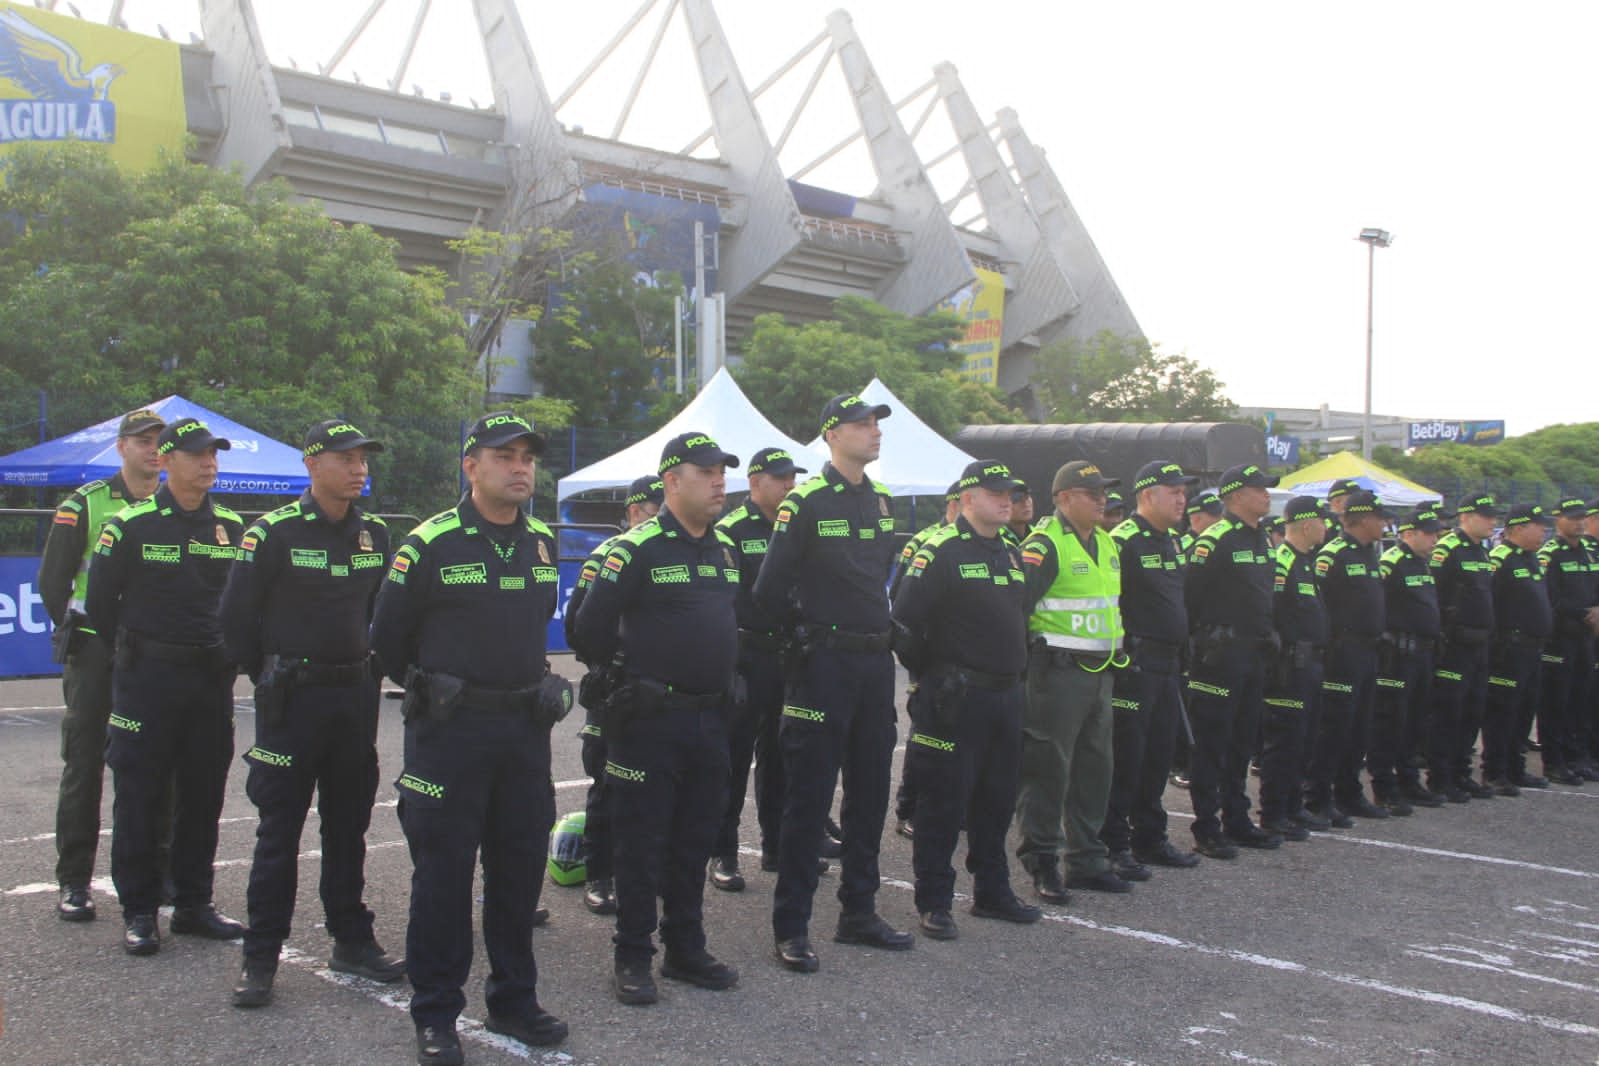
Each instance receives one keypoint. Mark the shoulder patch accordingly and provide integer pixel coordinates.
(227, 514)
(441, 523)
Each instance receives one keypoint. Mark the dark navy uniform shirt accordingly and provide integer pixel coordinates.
(585, 581)
(1298, 609)
(159, 570)
(1571, 573)
(1521, 602)
(467, 597)
(1351, 582)
(831, 550)
(1152, 581)
(751, 534)
(965, 596)
(1465, 581)
(1229, 579)
(1410, 592)
(304, 585)
(665, 599)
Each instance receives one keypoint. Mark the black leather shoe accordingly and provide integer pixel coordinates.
(1361, 807)
(1398, 806)
(600, 896)
(634, 983)
(1420, 795)
(869, 930)
(1166, 854)
(1562, 776)
(1048, 885)
(541, 917)
(904, 828)
(1333, 816)
(1180, 778)
(1286, 829)
(437, 1045)
(1215, 848)
(76, 904)
(1526, 780)
(1502, 787)
(702, 970)
(1104, 881)
(832, 841)
(537, 1028)
(1250, 835)
(796, 954)
(254, 988)
(725, 875)
(1128, 868)
(1475, 789)
(1310, 820)
(938, 925)
(142, 935)
(366, 959)
(205, 921)
(1009, 909)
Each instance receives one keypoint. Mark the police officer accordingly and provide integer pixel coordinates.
(154, 585)
(1228, 591)
(460, 622)
(1073, 572)
(644, 498)
(1021, 514)
(1293, 679)
(960, 610)
(295, 616)
(1464, 578)
(1115, 511)
(1571, 573)
(1203, 511)
(1147, 697)
(824, 578)
(86, 657)
(1523, 620)
(905, 795)
(664, 598)
(1349, 570)
(759, 706)
(1405, 665)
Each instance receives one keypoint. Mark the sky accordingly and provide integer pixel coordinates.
(1224, 156)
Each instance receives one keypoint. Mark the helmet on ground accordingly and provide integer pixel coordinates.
(566, 850)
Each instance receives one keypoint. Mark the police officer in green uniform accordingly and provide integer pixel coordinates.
(1523, 621)
(295, 617)
(758, 706)
(960, 610)
(824, 578)
(1147, 697)
(1571, 572)
(154, 585)
(1405, 665)
(664, 599)
(644, 498)
(1293, 676)
(1229, 589)
(1349, 570)
(1073, 573)
(1464, 578)
(86, 657)
(460, 621)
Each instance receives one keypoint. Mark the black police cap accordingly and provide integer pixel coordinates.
(1160, 472)
(696, 448)
(841, 409)
(499, 428)
(1242, 477)
(774, 461)
(647, 489)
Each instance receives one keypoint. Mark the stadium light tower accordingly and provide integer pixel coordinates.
(1373, 239)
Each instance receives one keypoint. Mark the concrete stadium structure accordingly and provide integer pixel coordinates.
(422, 171)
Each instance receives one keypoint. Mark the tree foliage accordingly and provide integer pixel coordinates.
(791, 371)
(1566, 454)
(1114, 378)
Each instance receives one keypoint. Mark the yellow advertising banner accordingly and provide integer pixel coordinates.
(982, 305)
(64, 78)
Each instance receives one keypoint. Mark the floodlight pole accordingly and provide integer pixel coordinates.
(1373, 239)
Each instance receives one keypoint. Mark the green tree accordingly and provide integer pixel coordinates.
(791, 371)
(1113, 378)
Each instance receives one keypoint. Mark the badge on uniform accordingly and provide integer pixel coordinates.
(222, 535)
(727, 554)
(544, 554)
(365, 540)
(882, 505)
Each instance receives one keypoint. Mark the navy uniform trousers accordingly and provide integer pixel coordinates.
(838, 718)
(1399, 726)
(1146, 721)
(1292, 712)
(752, 736)
(324, 742)
(476, 783)
(1348, 694)
(598, 852)
(1459, 694)
(170, 734)
(1563, 711)
(1224, 706)
(1513, 690)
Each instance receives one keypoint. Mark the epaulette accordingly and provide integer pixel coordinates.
(1124, 529)
(1393, 555)
(261, 526)
(1218, 529)
(535, 525)
(733, 517)
(439, 524)
(882, 488)
(1285, 558)
(134, 510)
(226, 513)
(722, 536)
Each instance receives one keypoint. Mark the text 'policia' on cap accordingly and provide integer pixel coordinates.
(499, 428)
(336, 435)
(647, 489)
(136, 422)
(189, 435)
(1160, 472)
(1246, 477)
(847, 408)
(986, 474)
(697, 449)
(774, 461)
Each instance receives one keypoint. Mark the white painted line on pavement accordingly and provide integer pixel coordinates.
(1500, 964)
(1560, 792)
(43, 707)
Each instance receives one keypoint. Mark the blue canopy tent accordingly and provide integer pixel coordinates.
(255, 464)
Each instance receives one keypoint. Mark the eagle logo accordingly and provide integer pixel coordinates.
(48, 68)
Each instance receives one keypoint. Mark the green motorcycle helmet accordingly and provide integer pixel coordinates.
(566, 850)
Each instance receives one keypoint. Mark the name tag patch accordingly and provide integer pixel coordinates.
(162, 553)
(316, 560)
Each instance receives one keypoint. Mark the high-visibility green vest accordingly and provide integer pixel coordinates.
(99, 507)
(1081, 610)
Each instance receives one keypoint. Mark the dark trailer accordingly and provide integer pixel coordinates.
(1035, 452)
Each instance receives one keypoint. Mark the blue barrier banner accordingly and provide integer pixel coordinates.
(1420, 433)
(24, 626)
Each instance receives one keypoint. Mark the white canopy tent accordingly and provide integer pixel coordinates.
(915, 460)
(722, 410)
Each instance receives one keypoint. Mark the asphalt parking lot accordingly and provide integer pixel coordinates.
(1462, 935)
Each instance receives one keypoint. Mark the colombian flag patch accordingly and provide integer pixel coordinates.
(66, 518)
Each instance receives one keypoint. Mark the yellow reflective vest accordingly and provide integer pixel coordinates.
(1081, 610)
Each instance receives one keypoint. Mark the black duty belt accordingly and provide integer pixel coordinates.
(331, 675)
(1407, 643)
(1515, 638)
(166, 651)
(848, 640)
(674, 699)
(986, 680)
(1359, 640)
(1300, 648)
(505, 700)
(1469, 636)
(760, 640)
(1153, 648)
